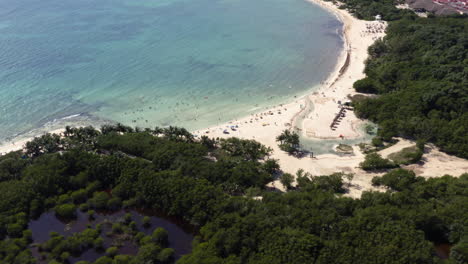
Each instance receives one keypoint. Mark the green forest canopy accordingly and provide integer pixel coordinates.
(368, 9)
(420, 73)
(209, 183)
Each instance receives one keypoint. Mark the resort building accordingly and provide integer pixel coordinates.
(439, 7)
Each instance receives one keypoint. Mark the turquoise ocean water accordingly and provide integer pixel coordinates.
(191, 63)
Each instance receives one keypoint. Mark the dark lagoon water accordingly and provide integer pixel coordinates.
(180, 234)
(157, 62)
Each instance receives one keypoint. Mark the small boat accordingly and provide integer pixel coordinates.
(225, 131)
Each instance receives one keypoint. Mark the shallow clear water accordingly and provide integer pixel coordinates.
(191, 63)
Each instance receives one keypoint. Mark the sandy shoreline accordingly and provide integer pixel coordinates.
(302, 103)
(312, 115)
(20, 143)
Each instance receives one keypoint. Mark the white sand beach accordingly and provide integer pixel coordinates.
(313, 114)
(18, 144)
(318, 109)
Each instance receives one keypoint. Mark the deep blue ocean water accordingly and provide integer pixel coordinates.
(190, 63)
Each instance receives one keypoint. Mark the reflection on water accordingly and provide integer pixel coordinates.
(180, 234)
(442, 250)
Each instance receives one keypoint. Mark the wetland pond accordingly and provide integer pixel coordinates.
(180, 235)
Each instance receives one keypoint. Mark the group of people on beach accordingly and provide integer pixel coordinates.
(372, 29)
(254, 118)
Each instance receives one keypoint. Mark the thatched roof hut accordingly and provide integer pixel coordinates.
(423, 5)
(429, 6)
(445, 11)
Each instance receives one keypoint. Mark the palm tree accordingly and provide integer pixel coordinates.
(289, 141)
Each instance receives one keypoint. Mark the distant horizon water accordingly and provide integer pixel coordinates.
(159, 62)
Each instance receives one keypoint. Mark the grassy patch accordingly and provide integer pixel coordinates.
(406, 156)
(343, 148)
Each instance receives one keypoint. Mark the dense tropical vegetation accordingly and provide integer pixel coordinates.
(374, 161)
(218, 185)
(288, 141)
(419, 70)
(368, 9)
(215, 186)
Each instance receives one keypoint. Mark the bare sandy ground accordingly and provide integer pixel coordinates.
(436, 163)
